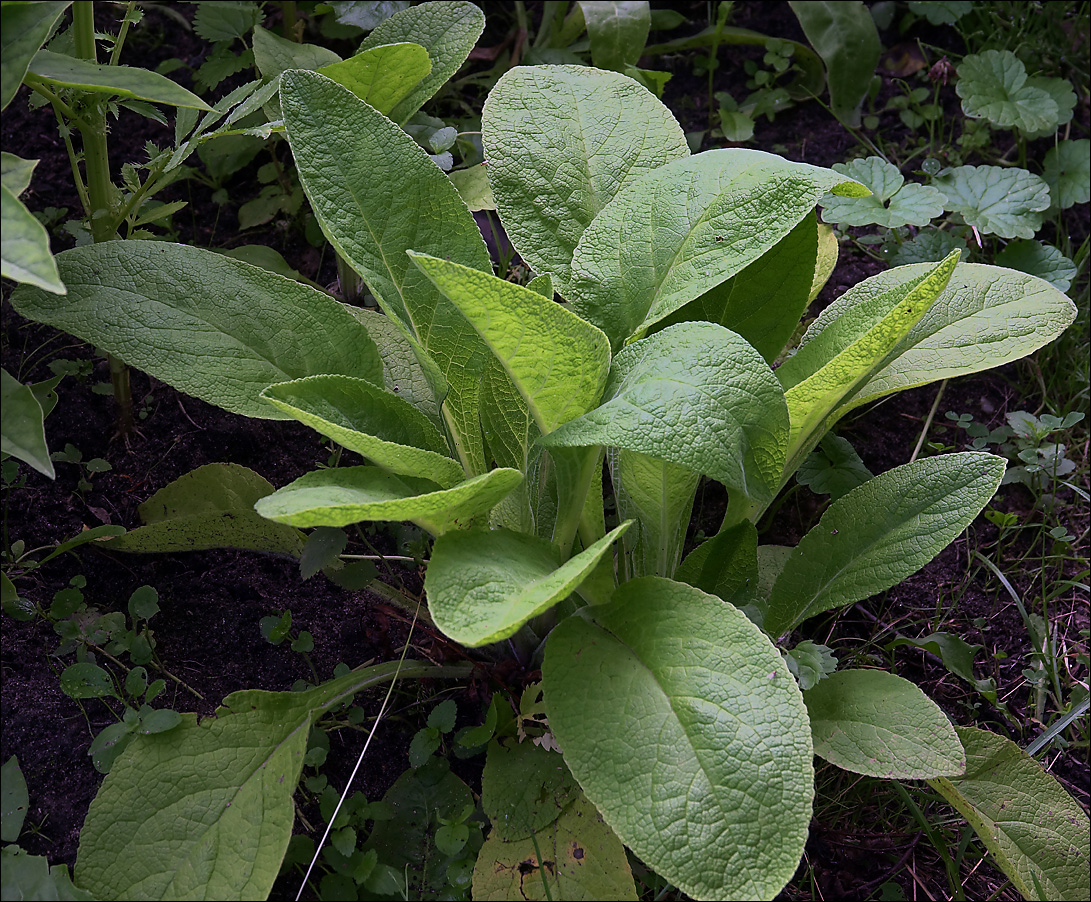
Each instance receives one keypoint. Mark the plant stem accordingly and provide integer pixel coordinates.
(928, 422)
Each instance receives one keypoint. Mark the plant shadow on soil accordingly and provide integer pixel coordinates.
(207, 631)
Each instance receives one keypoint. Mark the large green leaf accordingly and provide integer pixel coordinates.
(483, 585)
(382, 76)
(557, 361)
(997, 201)
(845, 36)
(447, 30)
(205, 811)
(725, 564)
(352, 494)
(25, 28)
(24, 246)
(22, 429)
(696, 395)
(880, 533)
(684, 228)
(378, 195)
(561, 142)
(1038, 834)
(617, 31)
(524, 788)
(831, 369)
(682, 724)
(210, 507)
(986, 317)
(872, 722)
(65, 71)
(211, 326)
(274, 54)
(365, 418)
(581, 859)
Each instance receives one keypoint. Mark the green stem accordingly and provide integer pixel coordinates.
(122, 33)
(288, 21)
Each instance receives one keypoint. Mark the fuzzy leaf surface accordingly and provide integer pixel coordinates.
(483, 585)
(875, 723)
(524, 788)
(382, 76)
(561, 142)
(684, 228)
(210, 507)
(377, 195)
(353, 494)
(880, 533)
(145, 301)
(1038, 833)
(682, 724)
(997, 201)
(696, 395)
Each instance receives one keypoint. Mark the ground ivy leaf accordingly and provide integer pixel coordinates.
(349, 495)
(1038, 834)
(872, 722)
(893, 202)
(682, 724)
(483, 585)
(582, 858)
(1041, 260)
(928, 246)
(205, 809)
(1067, 171)
(144, 301)
(993, 85)
(557, 154)
(646, 255)
(834, 468)
(364, 418)
(210, 507)
(697, 395)
(997, 201)
(880, 533)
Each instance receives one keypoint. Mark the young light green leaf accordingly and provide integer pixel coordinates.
(893, 201)
(364, 418)
(1041, 260)
(557, 361)
(880, 533)
(483, 585)
(447, 29)
(993, 85)
(832, 368)
(377, 195)
(25, 28)
(382, 76)
(473, 187)
(582, 858)
(810, 663)
(696, 395)
(682, 724)
(66, 71)
(684, 228)
(872, 722)
(22, 428)
(845, 36)
(144, 301)
(208, 805)
(1037, 832)
(24, 246)
(986, 317)
(617, 30)
(997, 201)
(1067, 171)
(352, 494)
(210, 507)
(560, 142)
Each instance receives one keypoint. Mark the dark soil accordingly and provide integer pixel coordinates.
(207, 632)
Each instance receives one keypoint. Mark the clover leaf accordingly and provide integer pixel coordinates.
(1067, 171)
(994, 85)
(1038, 259)
(893, 202)
(996, 201)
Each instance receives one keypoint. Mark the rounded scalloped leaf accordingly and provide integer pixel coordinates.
(892, 202)
(1041, 260)
(993, 85)
(1004, 202)
(1067, 171)
(1061, 93)
(682, 724)
(875, 723)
